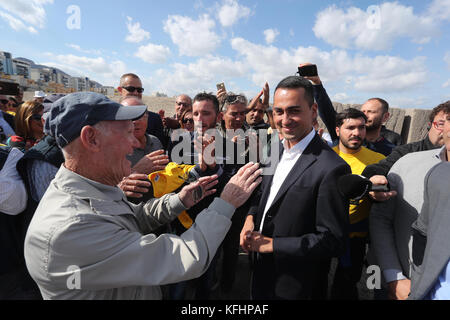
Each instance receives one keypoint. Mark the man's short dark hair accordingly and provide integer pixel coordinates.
(384, 104)
(207, 96)
(444, 107)
(350, 113)
(296, 82)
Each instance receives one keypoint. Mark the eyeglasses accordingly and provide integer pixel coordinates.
(439, 125)
(36, 117)
(184, 104)
(232, 99)
(133, 89)
(188, 120)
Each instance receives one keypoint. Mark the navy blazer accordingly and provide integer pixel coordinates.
(308, 221)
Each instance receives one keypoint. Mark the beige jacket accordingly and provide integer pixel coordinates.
(86, 241)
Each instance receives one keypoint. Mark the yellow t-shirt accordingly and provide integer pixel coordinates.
(357, 163)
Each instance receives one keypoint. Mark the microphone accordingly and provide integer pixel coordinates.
(355, 187)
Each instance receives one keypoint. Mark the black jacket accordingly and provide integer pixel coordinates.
(308, 221)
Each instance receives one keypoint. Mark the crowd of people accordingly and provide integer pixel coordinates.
(107, 200)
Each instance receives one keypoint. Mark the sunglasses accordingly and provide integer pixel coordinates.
(232, 99)
(3, 101)
(185, 121)
(133, 89)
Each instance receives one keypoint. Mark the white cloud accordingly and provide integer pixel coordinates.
(373, 30)
(389, 74)
(79, 49)
(231, 11)
(447, 59)
(340, 97)
(98, 69)
(193, 37)
(136, 33)
(446, 84)
(367, 74)
(440, 9)
(198, 76)
(270, 35)
(30, 11)
(153, 53)
(16, 24)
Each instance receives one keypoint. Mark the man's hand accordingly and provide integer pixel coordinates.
(205, 147)
(379, 195)
(246, 233)
(399, 289)
(221, 95)
(193, 193)
(151, 162)
(265, 101)
(315, 80)
(171, 123)
(266, 98)
(135, 185)
(259, 243)
(242, 184)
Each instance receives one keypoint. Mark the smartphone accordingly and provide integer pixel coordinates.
(308, 71)
(9, 88)
(221, 86)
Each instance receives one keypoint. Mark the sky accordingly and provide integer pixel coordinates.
(398, 51)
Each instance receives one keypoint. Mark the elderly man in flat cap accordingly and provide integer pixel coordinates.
(86, 241)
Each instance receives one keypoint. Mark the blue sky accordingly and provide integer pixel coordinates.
(398, 51)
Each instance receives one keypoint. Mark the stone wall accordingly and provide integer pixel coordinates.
(411, 124)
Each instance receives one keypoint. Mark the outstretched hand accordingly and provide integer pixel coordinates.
(151, 162)
(205, 147)
(193, 193)
(135, 185)
(242, 184)
(265, 101)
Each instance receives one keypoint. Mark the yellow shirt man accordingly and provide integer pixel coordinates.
(357, 162)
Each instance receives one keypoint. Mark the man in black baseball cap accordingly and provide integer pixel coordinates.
(69, 115)
(86, 241)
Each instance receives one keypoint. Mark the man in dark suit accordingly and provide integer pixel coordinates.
(298, 220)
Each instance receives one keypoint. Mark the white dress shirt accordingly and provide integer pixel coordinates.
(13, 196)
(287, 162)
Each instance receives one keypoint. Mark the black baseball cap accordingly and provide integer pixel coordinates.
(71, 113)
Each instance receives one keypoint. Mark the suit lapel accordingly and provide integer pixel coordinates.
(267, 182)
(306, 160)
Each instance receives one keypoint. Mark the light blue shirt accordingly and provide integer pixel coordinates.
(441, 290)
